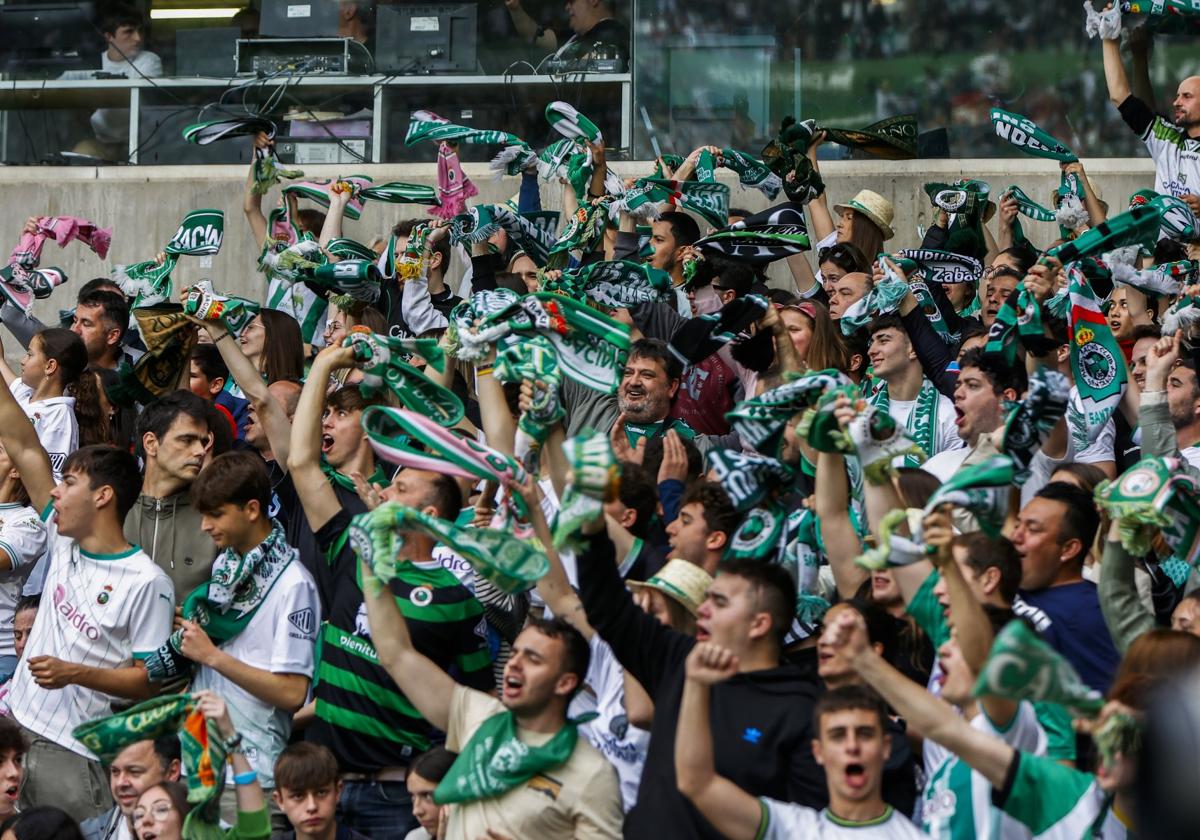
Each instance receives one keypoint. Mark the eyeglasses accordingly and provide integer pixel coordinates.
(159, 810)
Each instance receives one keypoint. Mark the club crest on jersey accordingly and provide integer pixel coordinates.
(104, 595)
(421, 596)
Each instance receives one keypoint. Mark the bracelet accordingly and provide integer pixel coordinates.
(245, 778)
(233, 744)
(225, 334)
(484, 371)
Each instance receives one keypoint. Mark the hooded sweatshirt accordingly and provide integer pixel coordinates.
(168, 529)
(761, 720)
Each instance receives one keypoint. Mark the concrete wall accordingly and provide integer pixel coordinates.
(144, 205)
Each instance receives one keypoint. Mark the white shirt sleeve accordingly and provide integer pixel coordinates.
(293, 646)
(787, 820)
(23, 538)
(57, 430)
(152, 614)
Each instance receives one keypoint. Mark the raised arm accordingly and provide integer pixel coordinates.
(527, 27)
(554, 587)
(929, 715)
(252, 201)
(818, 208)
(304, 460)
(1114, 72)
(331, 229)
(23, 447)
(734, 813)
(1123, 611)
(426, 686)
(832, 503)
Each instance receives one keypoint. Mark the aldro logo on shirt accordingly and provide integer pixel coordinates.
(74, 616)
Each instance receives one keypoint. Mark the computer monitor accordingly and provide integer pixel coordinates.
(425, 38)
(299, 19)
(43, 39)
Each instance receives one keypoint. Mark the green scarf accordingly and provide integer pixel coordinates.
(1155, 494)
(594, 479)
(921, 426)
(513, 160)
(379, 478)
(225, 604)
(199, 234)
(233, 312)
(582, 234)
(201, 747)
(773, 234)
(893, 138)
(568, 122)
(496, 760)
(294, 262)
(760, 421)
(613, 284)
(532, 360)
(1176, 219)
(482, 221)
(752, 173)
(787, 158)
(318, 191)
(819, 426)
(355, 280)
(1135, 226)
(981, 489)
(878, 441)
(377, 536)
(707, 199)
(396, 192)
(1026, 136)
(267, 169)
(381, 360)
(426, 125)
(1031, 419)
(749, 478)
(1023, 321)
(1027, 207)
(884, 297)
(1023, 667)
(1096, 361)
(802, 558)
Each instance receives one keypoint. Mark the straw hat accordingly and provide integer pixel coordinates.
(681, 581)
(875, 207)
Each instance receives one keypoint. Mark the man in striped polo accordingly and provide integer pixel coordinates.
(361, 714)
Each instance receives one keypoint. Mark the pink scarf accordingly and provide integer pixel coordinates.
(454, 187)
(62, 229)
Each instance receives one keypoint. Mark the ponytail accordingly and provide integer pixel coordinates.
(94, 425)
(68, 349)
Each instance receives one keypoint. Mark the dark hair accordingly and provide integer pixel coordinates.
(983, 553)
(656, 349)
(95, 427)
(108, 465)
(11, 737)
(1001, 376)
(1169, 251)
(848, 698)
(221, 426)
(1023, 254)
(167, 749)
(576, 652)
(737, 277)
(208, 359)
(310, 220)
(433, 764)
(969, 329)
(652, 456)
(68, 349)
(638, 491)
(845, 255)
(117, 16)
(158, 416)
(99, 284)
(882, 629)
(114, 307)
(28, 602)
(916, 486)
(404, 227)
(372, 319)
(1089, 474)
(305, 765)
(719, 513)
(740, 212)
(235, 478)
(512, 282)
(283, 346)
(774, 591)
(348, 398)
(446, 496)
(684, 229)
(1080, 520)
(177, 793)
(1147, 330)
(43, 822)
(887, 321)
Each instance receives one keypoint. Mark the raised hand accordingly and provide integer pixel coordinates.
(709, 663)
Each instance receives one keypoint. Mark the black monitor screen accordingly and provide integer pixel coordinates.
(58, 35)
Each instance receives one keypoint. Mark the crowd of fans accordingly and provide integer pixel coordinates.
(603, 535)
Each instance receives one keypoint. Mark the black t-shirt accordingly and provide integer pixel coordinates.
(608, 31)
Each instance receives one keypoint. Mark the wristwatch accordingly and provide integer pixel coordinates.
(233, 744)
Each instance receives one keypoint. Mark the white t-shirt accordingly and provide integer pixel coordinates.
(946, 436)
(788, 821)
(948, 812)
(1041, 466)
(111, 125)
(53, 420)
(623, 744)
(946, 463)
(103, 611)
(23, 538)
(279, 638)
(1191, 455)
(1176, 158)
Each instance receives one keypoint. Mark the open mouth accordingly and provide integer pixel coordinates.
(856, 775)
(12, 791)
(702, 634)
(959, 416)
(326, 443)
(513, 686)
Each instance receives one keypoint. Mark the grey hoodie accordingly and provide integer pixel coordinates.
(168, 529)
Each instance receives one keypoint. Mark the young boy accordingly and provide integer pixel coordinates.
(307, 788)
(111, 607)
(263, 662)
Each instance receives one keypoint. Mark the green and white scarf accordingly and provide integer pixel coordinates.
(1021, 666)
(786, 156)
(1176, 219)
(883, 298)
(381, 360)
(1031, 419)
(532, 360)
(892, 138)
(267, 169)
(802, 558)
(755, 484)
(294, 262)
(1096, 361)
(482, 221)
(1135, 226)
(879, 440)
(1026, 136)
(752, 173)
(819, 426)
(594, 479)
(356, 280)
(613, 284)
(396, 192)
(426, 125)
(944, 266)
(225, 604)
(201, 748)
(707, 199)
(495, 760)
(922, 424)
(318, 191)
(1155, 494)
(981, 489)
(582, 234)
(760, 421)
(199, 234)
(233, 312)
(761, 536)
(568, 122)
(506, 562)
